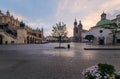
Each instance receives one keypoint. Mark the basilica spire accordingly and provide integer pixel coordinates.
(77, 31)
(75, 23)
(80, 24)
(8, 13)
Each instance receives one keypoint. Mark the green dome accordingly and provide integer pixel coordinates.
(103, 22)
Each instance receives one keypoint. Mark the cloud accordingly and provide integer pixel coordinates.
(111, 5)
(15, 15)
(17, 1)
(39, 23)
(69, 9)
(19, 16)
(61, 8)
(113, 14)
(87, 11)
(35, 25)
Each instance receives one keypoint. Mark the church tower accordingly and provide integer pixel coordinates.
(77, 32)
(8, 13)
(80, 28)
(103, 16)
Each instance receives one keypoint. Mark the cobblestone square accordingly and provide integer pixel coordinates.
(42, 61)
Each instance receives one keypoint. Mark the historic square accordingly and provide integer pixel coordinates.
(45, 62)
(59, 39)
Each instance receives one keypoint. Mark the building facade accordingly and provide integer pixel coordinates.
(77, 31)
(104, 35)
(12, 31)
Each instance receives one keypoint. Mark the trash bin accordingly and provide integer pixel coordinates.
(68, 46)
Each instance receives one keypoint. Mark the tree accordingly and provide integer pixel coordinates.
(59, 31)
(114, 30)
(89, 37)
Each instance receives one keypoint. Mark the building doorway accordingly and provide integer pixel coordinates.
(118, 40)
(1, 39)
(28, 41)
(101, 40)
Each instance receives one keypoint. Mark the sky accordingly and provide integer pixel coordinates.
(46, 13)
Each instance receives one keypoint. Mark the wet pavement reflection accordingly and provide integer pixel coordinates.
(42, 61)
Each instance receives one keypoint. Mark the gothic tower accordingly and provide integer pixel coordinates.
(80, 28)
(77, 32)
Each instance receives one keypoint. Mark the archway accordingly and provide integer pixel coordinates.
(28, 40)
(33, 40)
(1, 39)
(101, 40)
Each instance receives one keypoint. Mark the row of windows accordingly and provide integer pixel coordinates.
(12, 42)
(6, 20)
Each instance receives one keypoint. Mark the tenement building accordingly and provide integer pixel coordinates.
(12, 31)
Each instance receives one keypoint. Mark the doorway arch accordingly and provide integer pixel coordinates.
(1, 39)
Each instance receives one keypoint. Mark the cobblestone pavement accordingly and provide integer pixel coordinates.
(42, 61)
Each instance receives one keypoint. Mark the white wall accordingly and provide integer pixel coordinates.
(106, 34)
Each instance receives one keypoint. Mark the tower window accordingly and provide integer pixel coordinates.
(101, 31)
(6, 42)
(12, 42)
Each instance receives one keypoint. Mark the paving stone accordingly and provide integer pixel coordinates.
(42, 61)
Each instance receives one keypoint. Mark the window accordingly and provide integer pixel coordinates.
(12, 42)
(101, 31)
(119, 24)
(6, 42)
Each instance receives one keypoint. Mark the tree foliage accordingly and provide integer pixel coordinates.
(89, 37)
(59, 31)
(114, 30)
